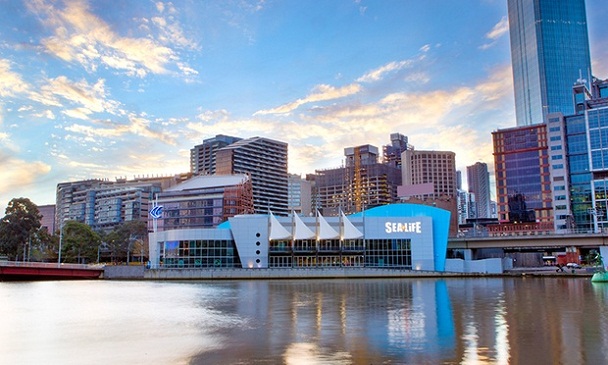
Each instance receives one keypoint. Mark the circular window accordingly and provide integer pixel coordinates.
(257, 252)
(257, 243)
(257, 261)
(257, 234)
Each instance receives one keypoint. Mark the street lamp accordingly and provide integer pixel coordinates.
(60, 241)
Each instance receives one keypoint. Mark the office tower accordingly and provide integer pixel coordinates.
(202, 157)
(585, 134)
(523, 183)
(478, 180)
(265, 160)
(549, 53)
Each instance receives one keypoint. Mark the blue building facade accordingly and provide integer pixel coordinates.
(549, 53)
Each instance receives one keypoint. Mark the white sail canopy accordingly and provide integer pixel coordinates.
(350, 231)
(326, 232)
(277, 231)
(301, 231)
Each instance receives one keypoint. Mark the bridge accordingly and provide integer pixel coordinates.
(530, 241)
(12, 270)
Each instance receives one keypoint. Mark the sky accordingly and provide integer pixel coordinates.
(104, 89)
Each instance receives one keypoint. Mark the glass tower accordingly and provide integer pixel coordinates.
(549, 53)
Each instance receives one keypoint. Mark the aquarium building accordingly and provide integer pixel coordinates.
(408, 236)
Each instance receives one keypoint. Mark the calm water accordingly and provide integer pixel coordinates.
(396, 321)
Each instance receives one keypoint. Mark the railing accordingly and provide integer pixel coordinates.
(485, 233)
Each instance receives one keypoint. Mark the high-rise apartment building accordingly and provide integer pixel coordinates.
(104, 204)
(549, 53)
(429, 177)
(265, 160)
(478, 180)
(202, 157)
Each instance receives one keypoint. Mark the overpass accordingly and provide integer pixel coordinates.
(531, 242)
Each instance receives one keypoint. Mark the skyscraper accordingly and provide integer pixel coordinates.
(478, 180)
(549, 53)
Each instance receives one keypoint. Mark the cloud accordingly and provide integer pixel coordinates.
(80, 36)
(84, 97)
(137, 126)
(11, 82)
(499, 29)
(379, 73)
(319, 93)
(17, 173)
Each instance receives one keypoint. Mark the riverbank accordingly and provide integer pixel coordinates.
(140, 273)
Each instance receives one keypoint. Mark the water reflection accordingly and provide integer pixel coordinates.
(420, 321)
(329, 322)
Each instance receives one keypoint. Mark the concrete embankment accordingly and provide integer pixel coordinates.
(125, 272)
(140, 273)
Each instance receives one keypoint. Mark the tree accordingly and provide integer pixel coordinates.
(79, 243)
(126, 239)
(18, 228)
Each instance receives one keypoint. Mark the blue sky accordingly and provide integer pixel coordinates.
(106, 89)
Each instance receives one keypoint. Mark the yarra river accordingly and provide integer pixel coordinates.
(527, 320)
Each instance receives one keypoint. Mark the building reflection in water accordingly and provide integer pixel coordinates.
(417, 321)
(351, 322)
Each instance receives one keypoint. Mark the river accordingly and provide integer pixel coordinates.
(381, 321)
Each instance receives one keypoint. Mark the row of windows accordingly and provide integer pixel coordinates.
(222, 253)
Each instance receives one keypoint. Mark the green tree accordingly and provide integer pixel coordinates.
(79, 243)
(18, 228)
(127, 240)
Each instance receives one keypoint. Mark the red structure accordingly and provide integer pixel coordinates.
(44, 271)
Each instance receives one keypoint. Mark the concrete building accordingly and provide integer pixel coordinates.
(549, 53)
(363, 182)
(429, 177)
(202, 157)
(299, 195)
(478, 180)
(406, 236)
(391, 154)
(265, 160)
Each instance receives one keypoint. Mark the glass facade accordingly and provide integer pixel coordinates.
(549, 53)
(392, 253)
(199, 254)
(597, 122)
(579, 172)
(523, 179)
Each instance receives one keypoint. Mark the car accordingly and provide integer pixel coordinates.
(573, 265)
